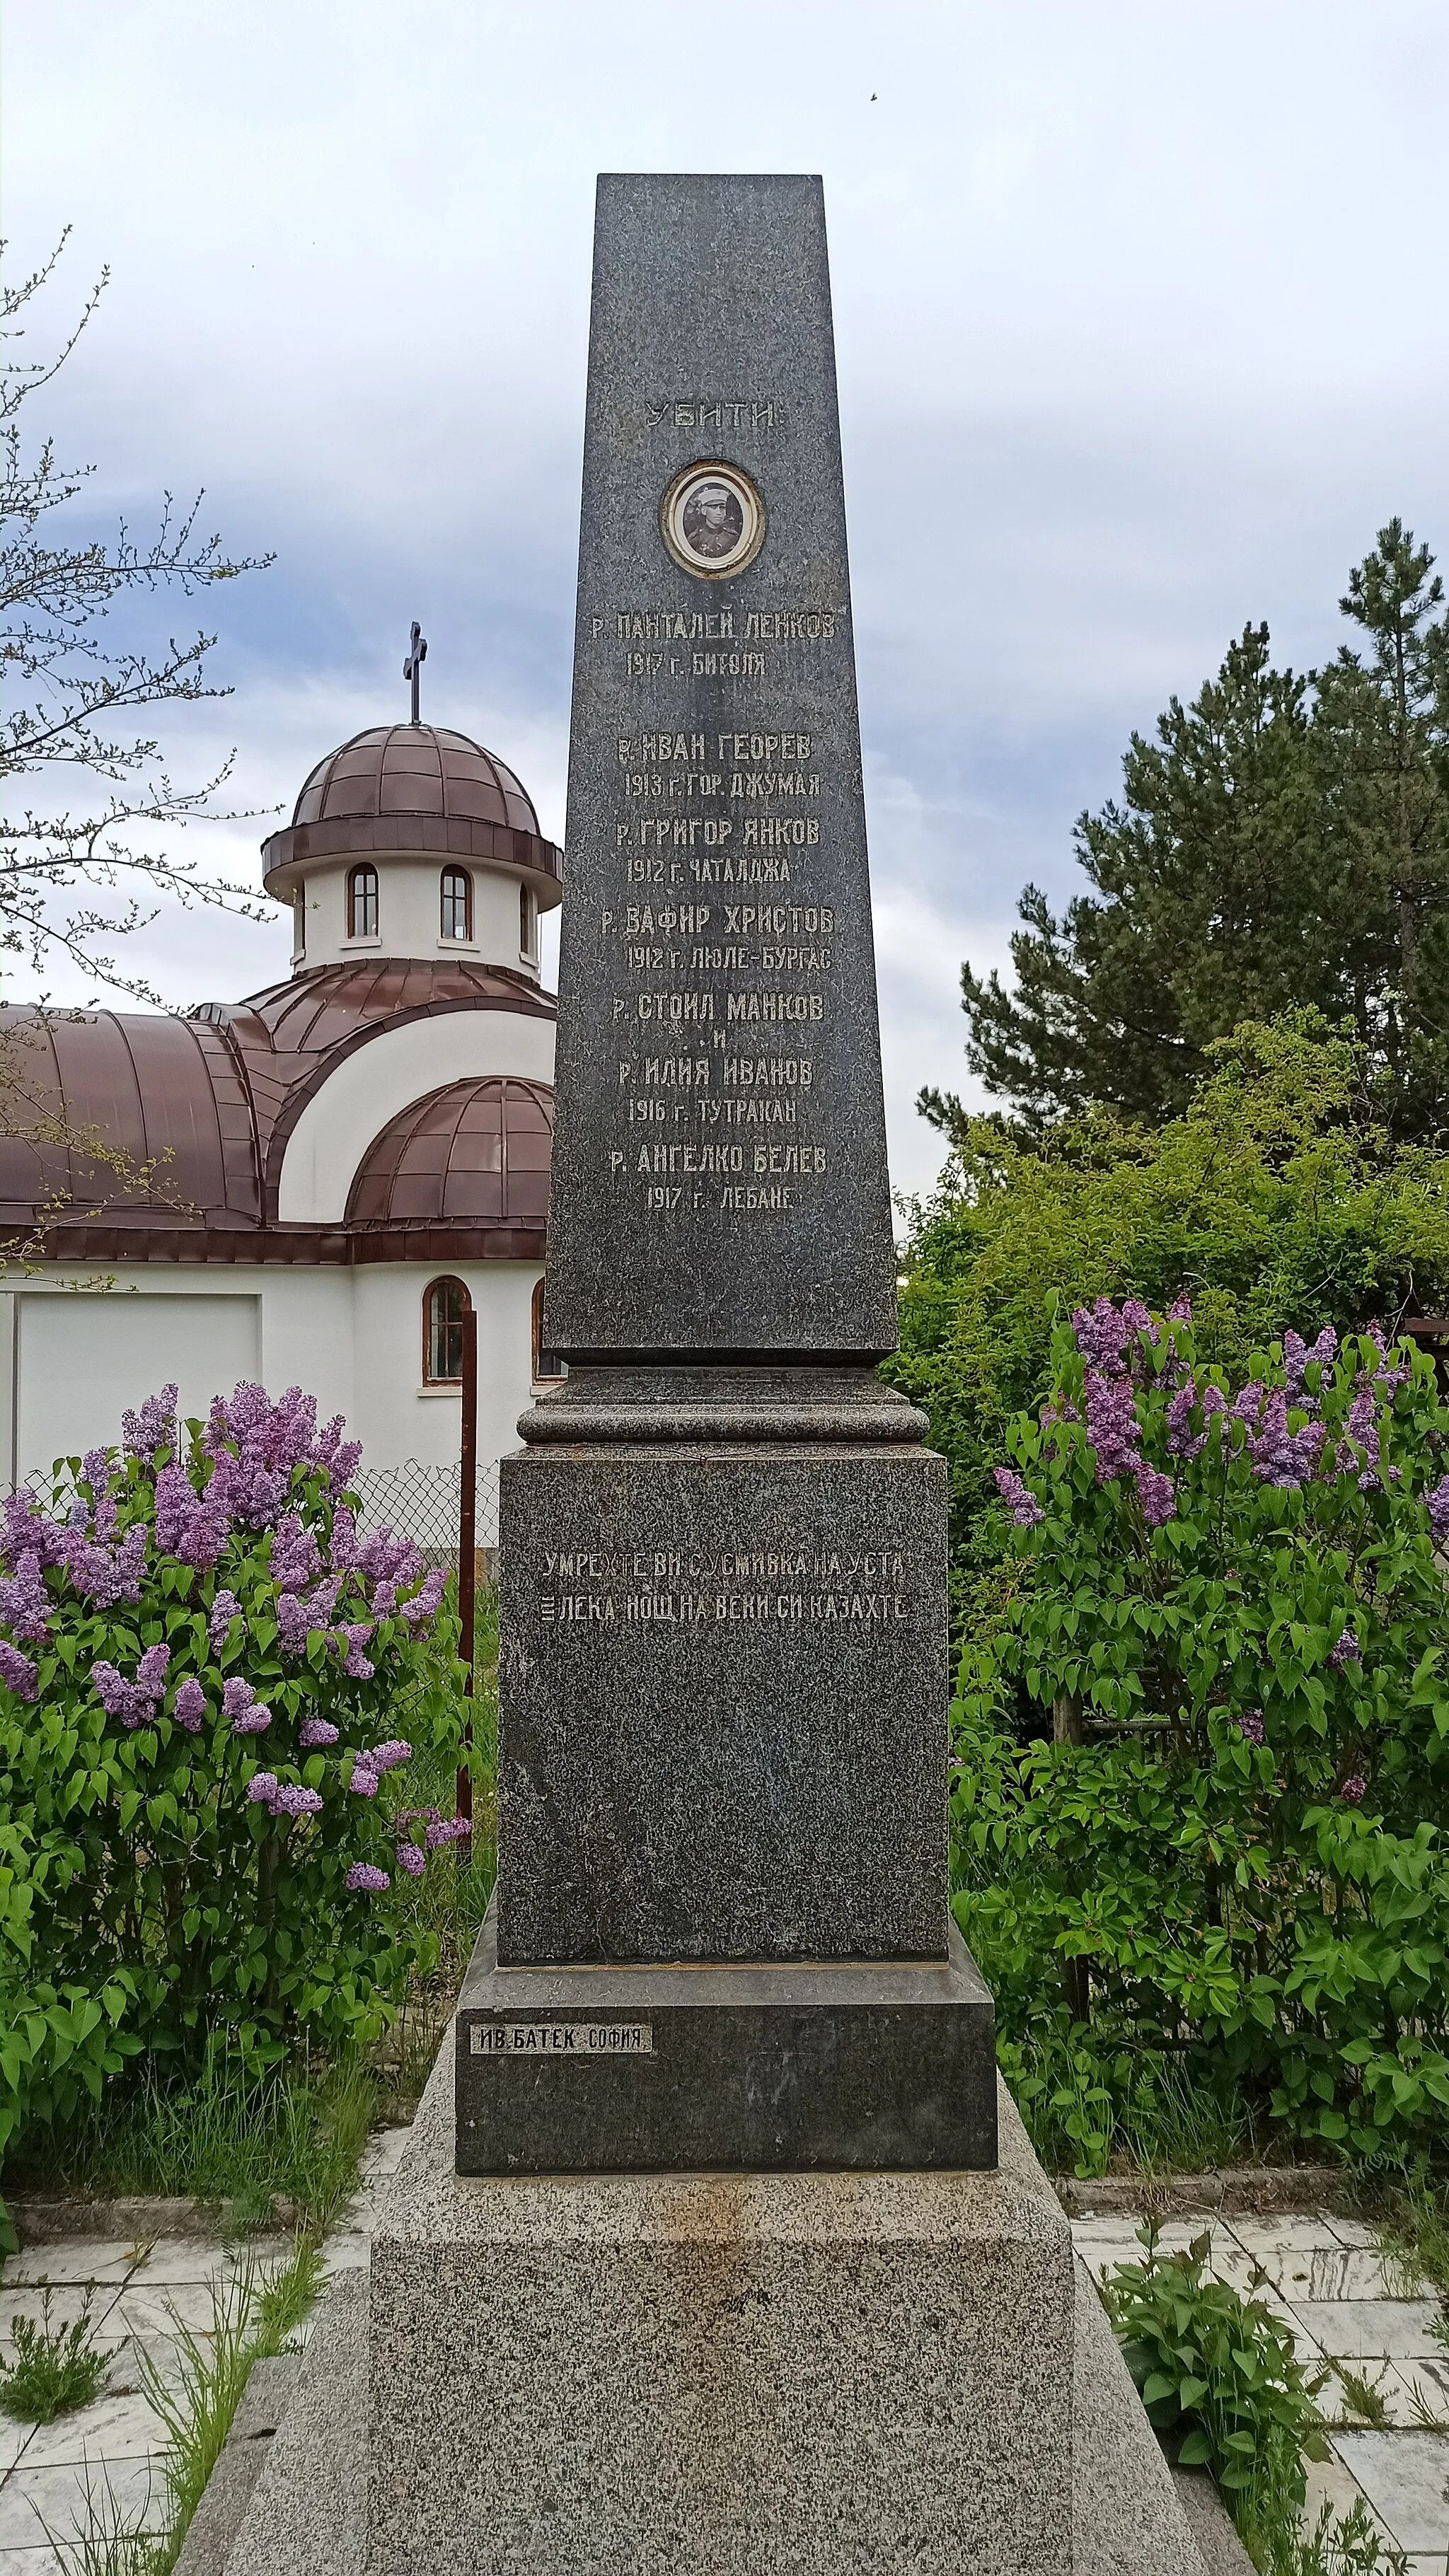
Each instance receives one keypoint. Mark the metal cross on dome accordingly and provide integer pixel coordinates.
(412, 667)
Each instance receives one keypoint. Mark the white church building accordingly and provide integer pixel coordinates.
(307, 1187)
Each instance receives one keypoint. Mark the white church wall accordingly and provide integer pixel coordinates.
(392, 1070)
(409, 915)
(80, 1357)
(405, 1418)
(80, 1343)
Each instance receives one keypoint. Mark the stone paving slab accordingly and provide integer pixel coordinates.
(1406, 2479)
(1375, 2329)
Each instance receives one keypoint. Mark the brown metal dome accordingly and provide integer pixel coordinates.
(470, 1152)
(413, 788)
(414, 769)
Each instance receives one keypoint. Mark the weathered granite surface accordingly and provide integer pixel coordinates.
(722, 1697)
(308, 2515)
(658, 2069)
(1129, 2519)
(719, 1167)
(732, 2373)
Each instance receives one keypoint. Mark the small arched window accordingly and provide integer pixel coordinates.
(299, 924)
(526, 920)
(362, 903)
(457, 904)
(546, 1364)
(445, 1304)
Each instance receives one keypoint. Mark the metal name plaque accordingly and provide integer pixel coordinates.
(562, 2039)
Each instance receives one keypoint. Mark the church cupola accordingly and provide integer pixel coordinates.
(411, 841)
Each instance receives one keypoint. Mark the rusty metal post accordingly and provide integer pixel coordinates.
(467, 1544)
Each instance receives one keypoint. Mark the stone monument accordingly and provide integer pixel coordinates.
(720, 1985)
(715, 2250)
(721, 1935)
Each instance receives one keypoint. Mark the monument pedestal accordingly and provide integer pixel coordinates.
(725, 2374)
(664, 2069)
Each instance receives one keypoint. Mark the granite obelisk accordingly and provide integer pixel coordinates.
(722, 1846)
(719, 1166)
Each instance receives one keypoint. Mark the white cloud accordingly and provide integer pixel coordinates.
(1136, 311)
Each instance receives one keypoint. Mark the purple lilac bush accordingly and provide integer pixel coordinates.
(1202, 1767)
(200, 1676)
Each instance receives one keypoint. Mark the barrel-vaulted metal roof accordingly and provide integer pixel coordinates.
(140, 1136)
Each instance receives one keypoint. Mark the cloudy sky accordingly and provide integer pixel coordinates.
(1140, 309)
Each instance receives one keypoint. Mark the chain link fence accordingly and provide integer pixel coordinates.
(421, 1503)
(418, 1501)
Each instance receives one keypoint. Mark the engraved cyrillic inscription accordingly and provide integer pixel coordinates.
(575, 2039)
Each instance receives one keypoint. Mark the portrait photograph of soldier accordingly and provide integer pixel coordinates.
(712, 521)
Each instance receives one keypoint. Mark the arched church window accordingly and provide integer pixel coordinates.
(362, 903)
(526, 920)
(457, 904)
(545, 1363)
(445, 1304)
(299, 923)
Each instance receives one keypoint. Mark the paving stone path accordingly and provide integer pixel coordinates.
(1323, 2275)
(110, 2452)
(1344, 2303)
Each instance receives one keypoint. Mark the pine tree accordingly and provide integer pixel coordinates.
(1284, 841)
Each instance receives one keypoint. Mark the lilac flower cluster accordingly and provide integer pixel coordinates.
(24, 1602)
(1436, 1504)
(365, 1880)
(1249, 1724)
(190, 1526)
(1105, 1333)
(1112, 1425)
(1026, 1511)
(1299, 1356)
(283, 1797)
(18, 1673)
(1353, 1790)
(1157, 1495)
(257, 1445)
(239, 1702)
(1363, 1429)
(1280, 1456)
(134, 1703)
(1182, 1440)
(440, 1829)
(1346, 1651)
(150, 1429)
(367, 1768)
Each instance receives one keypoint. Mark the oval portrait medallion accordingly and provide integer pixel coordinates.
(713, 520)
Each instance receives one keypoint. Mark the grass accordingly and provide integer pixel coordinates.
(1365, 2396)
(252, 2318)
(1344, 2545)
(57, 2368)
(239, 2136)
(1188, 2127)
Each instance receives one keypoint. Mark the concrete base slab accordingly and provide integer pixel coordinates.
(710, 2374)
(840, 2066)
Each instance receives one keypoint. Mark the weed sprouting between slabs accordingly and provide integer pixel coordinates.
(56, 2368)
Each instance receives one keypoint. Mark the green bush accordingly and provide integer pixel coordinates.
(1223, 2387)
(1200, 1767)
(1276, 1200)
(199, 1768)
